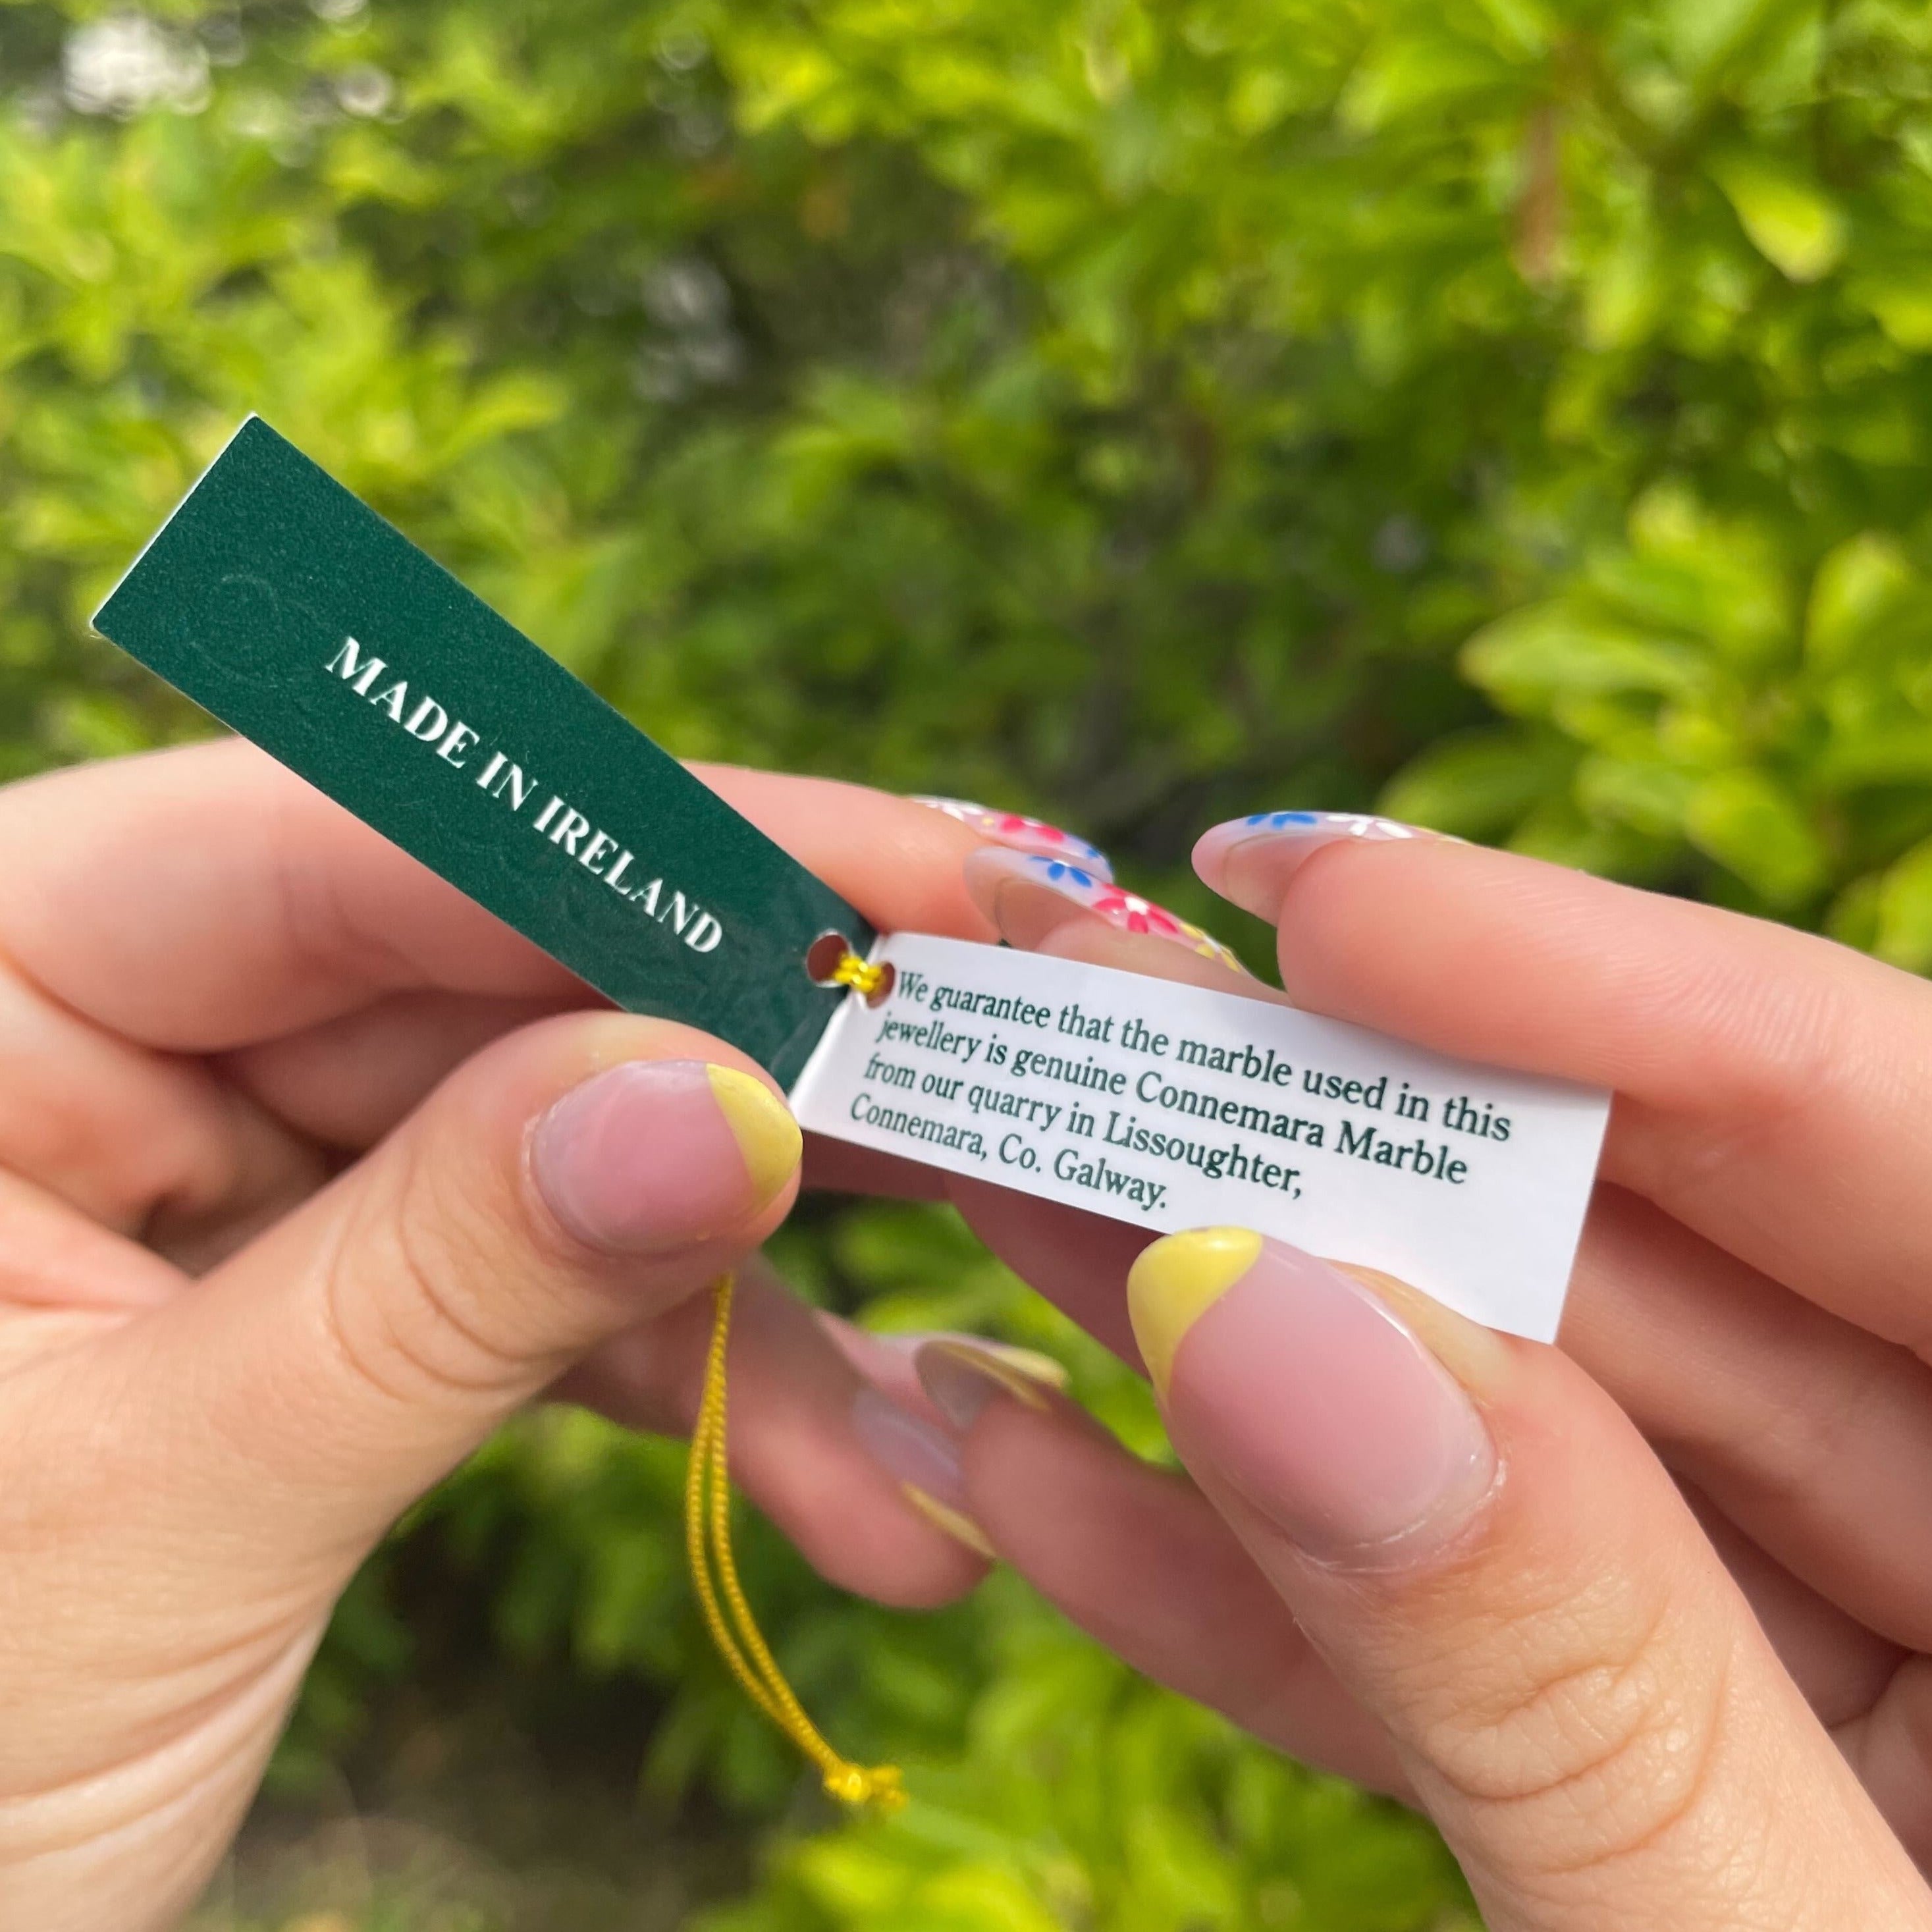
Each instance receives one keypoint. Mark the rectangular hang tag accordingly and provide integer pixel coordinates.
(1173, 1107)
(280, 602)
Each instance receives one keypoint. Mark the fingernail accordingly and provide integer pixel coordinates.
(768, 1138)
(1019, 833)
(657, 1153)
(1304, 1391)
(923, 1461)
(1287, 838)
(990, 875)
(961, 1375)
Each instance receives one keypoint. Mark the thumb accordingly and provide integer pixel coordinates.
(1490, 1558)
(567, 1183)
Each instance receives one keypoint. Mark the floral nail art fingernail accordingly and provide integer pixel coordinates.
(1288, 838)
(1019, 833)
(1129, 910)
(1328, 824)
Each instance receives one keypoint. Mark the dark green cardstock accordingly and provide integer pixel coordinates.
(277, 600)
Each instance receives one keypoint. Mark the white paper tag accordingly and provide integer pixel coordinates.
(1174, 1107)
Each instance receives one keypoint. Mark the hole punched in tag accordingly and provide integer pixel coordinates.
(830, 960)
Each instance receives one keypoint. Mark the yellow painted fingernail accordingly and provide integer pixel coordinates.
(760, 1123)
(1176, 1281)
(955, 1522)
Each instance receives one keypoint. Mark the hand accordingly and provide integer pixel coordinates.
(1634, 1620)
(310, 1173)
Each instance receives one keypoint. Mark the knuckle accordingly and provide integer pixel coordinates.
(1585, 1732)
(423, 1291)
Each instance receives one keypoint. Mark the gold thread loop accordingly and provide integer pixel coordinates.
(863, 978)
(707, 1537)
(830, 960)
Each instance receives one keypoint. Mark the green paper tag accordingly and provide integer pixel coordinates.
(277, 600)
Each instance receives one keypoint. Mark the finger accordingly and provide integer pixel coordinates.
(795, 1443)
(272, 907)
(1809, 1434)
(346, 1082)
(1041, 905)
(1783, 1410)
(897, 860)
(344, 978)
(1890, 1746)
(1767, 1080)
(1493, 1563)
(1078, 1262)
(275, 910)
(1841, 1667)
(583, 1175)
(52, 1257)
(1072, 1545)
(838, 1167)
(1779, 1409)
(1771, 1417)
(1138, 1558)
(144, 1143)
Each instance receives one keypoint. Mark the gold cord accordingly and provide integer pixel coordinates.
(707, 1535)
(864, 980)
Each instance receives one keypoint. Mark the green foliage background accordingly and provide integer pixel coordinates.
(1512, 411)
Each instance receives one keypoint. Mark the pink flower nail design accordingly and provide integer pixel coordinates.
(1127, 910)
(1019, 833)
(1138, 915)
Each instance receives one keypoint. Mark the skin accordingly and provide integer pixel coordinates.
(1670, 1665)
(273, 1261)
(274, 1258)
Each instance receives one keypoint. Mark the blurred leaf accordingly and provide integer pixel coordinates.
(1795, 224)
(1743, 820)
(1902, 300)
(1549, 655)
(1903, 934)
(1855, 585)
(1478, 784)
